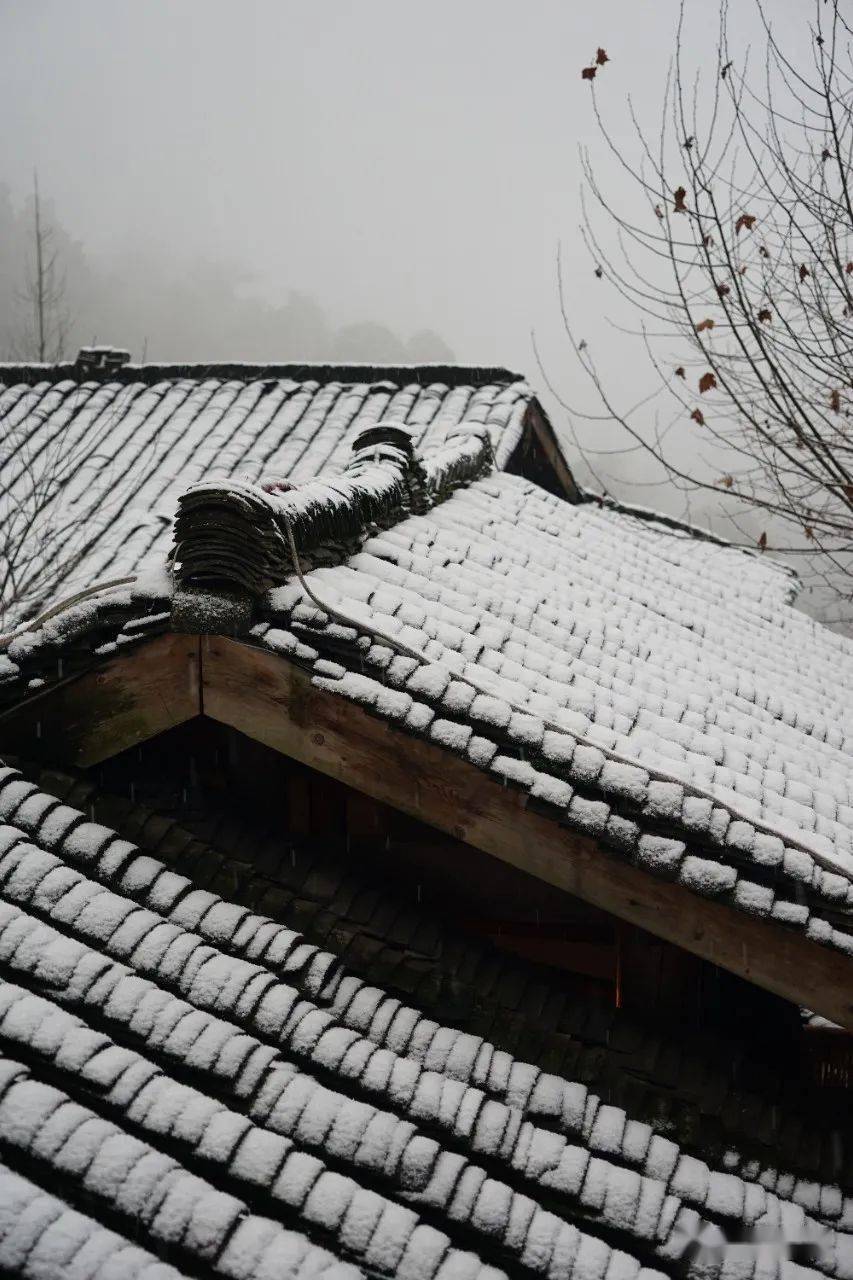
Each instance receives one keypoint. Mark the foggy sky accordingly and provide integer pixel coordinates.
(410, 164)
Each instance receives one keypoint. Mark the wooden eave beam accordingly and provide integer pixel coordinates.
(275, 702)
(173, 678)
(119, 703)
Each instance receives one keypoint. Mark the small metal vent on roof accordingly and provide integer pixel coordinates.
(99, 360)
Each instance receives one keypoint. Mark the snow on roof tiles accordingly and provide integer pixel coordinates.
(128, 442)
(704, 721)
(650, 689)
(195, 1077)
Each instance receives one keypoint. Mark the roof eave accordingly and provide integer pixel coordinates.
(269, 697)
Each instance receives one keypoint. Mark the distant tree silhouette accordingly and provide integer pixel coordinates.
(43, 333)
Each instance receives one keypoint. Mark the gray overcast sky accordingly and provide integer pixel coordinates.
(412, 164)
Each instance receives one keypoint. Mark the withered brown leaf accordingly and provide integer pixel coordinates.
(707, 382)
(698, 416)
(679, 196)
(704, 324)
(746, 220)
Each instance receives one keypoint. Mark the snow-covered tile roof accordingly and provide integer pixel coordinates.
(648, 688)
(653, 690)
(187, 1079)
(120, 446)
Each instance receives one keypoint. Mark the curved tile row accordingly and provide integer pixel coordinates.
(250, 995)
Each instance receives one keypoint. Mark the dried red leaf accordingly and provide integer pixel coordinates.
(600, 58)
(849, 268)
(746, 220)
(804, 271)
(679, 196)
(765, 315)
(835, 401)
(698, 416)
(679, 373)
(723, 289)
(707, 382)
(588, 73)
(704, 324)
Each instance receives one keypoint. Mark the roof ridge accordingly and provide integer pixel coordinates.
(300, 371)
(238, 532)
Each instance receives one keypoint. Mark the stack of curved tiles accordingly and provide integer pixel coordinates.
(126, 443)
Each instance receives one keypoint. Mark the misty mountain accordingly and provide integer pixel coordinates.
(194, 311)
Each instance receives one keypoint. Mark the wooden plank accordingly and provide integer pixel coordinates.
(297, 787)
(364, 817)
(116, 705)
(547, 946)
(273, 701)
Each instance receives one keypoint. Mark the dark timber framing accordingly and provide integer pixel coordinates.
(173, 678)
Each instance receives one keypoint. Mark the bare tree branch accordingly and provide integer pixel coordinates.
(737, 263)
